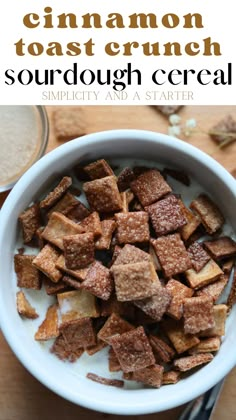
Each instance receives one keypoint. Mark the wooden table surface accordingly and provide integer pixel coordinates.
(22, 397)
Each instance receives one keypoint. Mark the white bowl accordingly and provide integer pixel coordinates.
(67, 382)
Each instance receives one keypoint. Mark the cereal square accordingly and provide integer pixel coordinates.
(166, 215)
(46, 262)
(198, 314)
(110, 306)
(98, 281)
(55, 195)
(59, 226)
(24, 308)
(79, 333)
(113, 326)
(189, 362)
(228, 265)
(220, 315)
(223, 130)
(104, 242)
(78, 250)
(214, 290)
(54, 288)
(125, 177)
(114, 365)
(71, 282)
(77, 304)
(209, 273)
(103, 194)
(69, 123)
(132, 227)
(179, 292)
(135, 281)
(172, 254)
(170, 377)
(151, 375)
(98, 169)
(149, 187)
(63, 350)
(64, 205)
(131, 254)
(91, 350)
(92, 224)
(162, 351)
(193, 222)
(78, 274)
(167, 110)
(198, 256)
(221, 248)
(207, 345)
(49, 327)
(27, 275)
(78, 212)
(181, 341)
(133, 350)
(30, 221)
(155, 306)
(232, 294)
(208, 212)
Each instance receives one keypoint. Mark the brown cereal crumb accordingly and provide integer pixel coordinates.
(125, 178)
(208, 212)
(151, 375)
(71, 282)
(166, 215)
(189, 362)
(78, 274)
(49, 327)
(46, 260)
(30, 221)
(198, 314)
(193, 222)
(149, 187)
(98, 169)
(220, 314)
(132, 227)
(63, 351)
(24, 308)
(21, 250)
(162, 351)
(131, 254)
(221, 248)
(172, 254)
(104, 381)
(98, 281)
(228, 265)
(178, 293)
(114, 365)
(77, 304)
(68, 123)
(181, 341)
(104, 242)
(96, 348)
(92, 224)
(208, 274)
(232, 294)
(54, 288)
(133, 350)
(207, 345)
(56, 194)
(135, 281)
(157, 305)
(180, 176)
(78, 212)
(79, 333)
(214, 290)
(198, 256)
(113, 326)
(79, 250)
(220, 132)
(103, 194)
(171, 377)
(27, 275)
(64, 205)
(59, 226)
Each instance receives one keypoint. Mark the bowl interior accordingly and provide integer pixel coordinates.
(68, 380)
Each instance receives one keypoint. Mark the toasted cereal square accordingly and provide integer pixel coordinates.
(98, 169)
(149, 187)
(157, 305)
(71, 282)
(172, 254)
(108, 227)
(54, 288)
(228, 265)
(154, 258)
(49, 327)
(78, 274)
(54, 196)
(39, 237)
(215, 289)
(131, 254)
(162, 351)
(96, 348)
(170, 377)
(125, 177)
(27, 275)
(125, 204)
(113, 326)
(77, 304)
(220, 315)
(208, 212)
(166, 215)
(59, 226)
(179, 292)
(114, 365)
(78, 250)
(69, 123)
(24, 308)
(198, 314)
(30, 221)
(79, 333)
(198, 256)
(64, 205)
(98, 281)
(133, 350)
(78, 212)
(151, 375)
(135, 281)
(168, 109)
(223, 130)
(181, 341)
(46, 262)
(124, 309)
(189, 362)
(221, 248)
(103, 194)
(63, 350)
(193, 222)
(92, 224)
(132, 227)
(232, 294)
(207, 345)
(209, 273)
